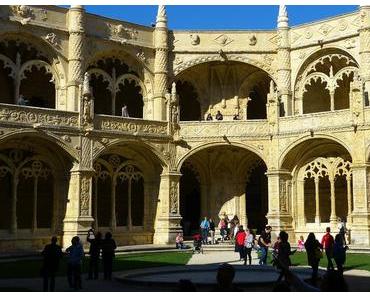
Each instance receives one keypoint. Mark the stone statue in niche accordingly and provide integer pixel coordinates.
(87, 102)
(253, 40)
(194, 39)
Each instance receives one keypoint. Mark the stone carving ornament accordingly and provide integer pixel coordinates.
(194, 39)
(174, 201)
(120, 31)
(24, 12)
(253, 40)
(85, 197)
(52, 39)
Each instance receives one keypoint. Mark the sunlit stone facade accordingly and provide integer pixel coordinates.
(297, 157)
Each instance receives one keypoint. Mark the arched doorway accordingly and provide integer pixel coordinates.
(224, 179)
(189, 199)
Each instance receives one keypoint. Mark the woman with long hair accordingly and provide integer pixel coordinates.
(314, 255)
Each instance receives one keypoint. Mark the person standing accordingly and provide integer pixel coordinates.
(212, 229)
(204, 226)
(239, 242)
(283, 254)
(339, 253)
(248, 245)
(264, 241)
(125, 111)
(108, 252)
(94, 252)
(328, 243)
(52, 254)
(75, 255)
(314, 255)
(222, 226)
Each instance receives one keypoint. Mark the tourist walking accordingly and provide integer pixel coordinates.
(314, 255)
(248, 245)
(339, 253)
(75, 254)
(283, 254)
(108, 253)
(95, 241)
(328, 243)
(239, 242)
(264, 241)
(222, 225)
(52, 254)
(204, 226)
(212, 229)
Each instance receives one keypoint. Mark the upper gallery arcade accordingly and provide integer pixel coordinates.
(113, 124)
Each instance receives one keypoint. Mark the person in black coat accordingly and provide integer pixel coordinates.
(108, 248)
(52, 254)
(94, 252)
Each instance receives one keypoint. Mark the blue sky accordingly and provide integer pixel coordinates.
(220, 16)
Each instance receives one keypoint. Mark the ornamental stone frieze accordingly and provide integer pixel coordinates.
(29, 115)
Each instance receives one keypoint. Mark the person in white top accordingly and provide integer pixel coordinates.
(248, 243)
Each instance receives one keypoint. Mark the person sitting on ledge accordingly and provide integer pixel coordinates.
(209, 117)
(219, 116)
(179, 241)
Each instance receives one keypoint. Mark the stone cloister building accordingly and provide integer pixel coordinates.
(298, 157)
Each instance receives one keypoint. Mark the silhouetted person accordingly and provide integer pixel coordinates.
(283, 254)
(339, 252)
(75, 255)
(314, 255)
(94, 252)
(186, 285)
(225, 277)
(52, 254)
(219, 116)
(328, 243)
(108, 248)
(209, 117)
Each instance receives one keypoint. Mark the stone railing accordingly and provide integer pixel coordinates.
(130, 125)
(35, 115)
(315, 121)
(204, 129)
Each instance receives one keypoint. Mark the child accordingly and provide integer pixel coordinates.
(300, 244)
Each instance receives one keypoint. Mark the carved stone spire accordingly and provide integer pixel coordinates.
(161, 17)
(86, 91)
(283, 17)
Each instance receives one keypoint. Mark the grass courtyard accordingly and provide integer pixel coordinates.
(31, 268)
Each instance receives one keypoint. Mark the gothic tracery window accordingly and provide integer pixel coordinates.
(118, 193)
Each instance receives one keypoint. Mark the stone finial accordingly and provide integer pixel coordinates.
(173, 89)
(77, 6)
(86, 91)
(282, 20)
(161, 17)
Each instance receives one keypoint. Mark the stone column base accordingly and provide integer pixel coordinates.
(360, 229)
(166, 230)
(76, 227)
(281, 222)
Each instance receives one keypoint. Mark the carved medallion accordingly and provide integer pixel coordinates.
(223, 40)
(194, 39)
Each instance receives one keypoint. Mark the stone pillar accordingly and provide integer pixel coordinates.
(78, 218)
(76, 43)
(13, 213)
(317, 200)
(160, 64)
(279, 216)
(360, 232)
(364, 33)
(283, 58)
(167, 223)
(333, 213)
(349, 199)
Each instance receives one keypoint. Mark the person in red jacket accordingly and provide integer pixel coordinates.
(328, 244)
(239, 242)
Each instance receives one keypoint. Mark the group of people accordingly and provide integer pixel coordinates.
(52, 254)
(220, 117)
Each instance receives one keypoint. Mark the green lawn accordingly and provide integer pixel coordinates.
(353, 261)
(31, 268)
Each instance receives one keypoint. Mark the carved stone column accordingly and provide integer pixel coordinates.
(349, 199)
(160, 64)
(364, 33)
(76, 43)
(283, 58)
(360, 232)
(167, 222)
(333, 213)
(317, 200)
(279, 216)
(78, 218)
